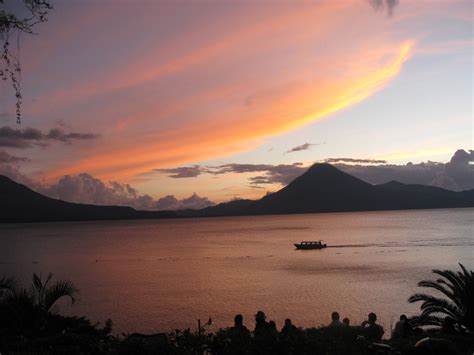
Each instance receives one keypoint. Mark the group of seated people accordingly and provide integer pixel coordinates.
(266, 339)
(370, 329)
(265, 335)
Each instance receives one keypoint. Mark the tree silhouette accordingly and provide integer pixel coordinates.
(457, 303)
(19, 19)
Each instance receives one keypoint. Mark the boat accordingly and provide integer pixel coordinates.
(305, 245)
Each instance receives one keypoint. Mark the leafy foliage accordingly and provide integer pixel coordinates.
(457, 303)
(29, 325)
(28, 308)
(46, 295)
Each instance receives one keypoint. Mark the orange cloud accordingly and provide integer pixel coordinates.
(239, 125)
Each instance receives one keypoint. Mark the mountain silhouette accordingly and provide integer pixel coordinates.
(18, 203)
(322, 188)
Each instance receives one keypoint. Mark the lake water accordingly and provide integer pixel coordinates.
(156, 275)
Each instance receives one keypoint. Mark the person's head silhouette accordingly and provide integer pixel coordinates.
(260, 316)
(372, 318)
(238, 319)
(335, 316)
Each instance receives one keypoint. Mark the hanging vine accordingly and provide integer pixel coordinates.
(20, 18)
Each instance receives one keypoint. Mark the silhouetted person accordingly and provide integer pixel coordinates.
(264, 334)
(402, 329)
(288, 329)
(346, 331)
(407, 327)
(272, 327)
(260, 322)
(335, 323)
(239, 336)
(239, 322)
(239, 327)
(272, 339)
(288, 338)
(372, 330)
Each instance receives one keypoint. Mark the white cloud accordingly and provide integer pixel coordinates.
(84, 188)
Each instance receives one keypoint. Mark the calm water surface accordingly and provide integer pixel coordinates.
(156, 275)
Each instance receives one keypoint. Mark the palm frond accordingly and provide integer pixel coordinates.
(427, 320)
(433, 304)
(58, 290)
(455, 282)
(439, 286)
(37, 282)
(428, 309)
(47, 281)
(36, 288)
(467, 274)
(458, 290)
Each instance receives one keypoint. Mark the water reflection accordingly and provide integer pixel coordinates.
(149, 275)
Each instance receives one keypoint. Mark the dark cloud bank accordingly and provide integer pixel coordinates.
(28, 137)
(457, 174)
(271, 174)
(6, 158)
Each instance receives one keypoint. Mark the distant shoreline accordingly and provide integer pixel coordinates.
(178, 217)
(321, 189)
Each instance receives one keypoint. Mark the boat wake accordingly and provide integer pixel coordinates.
(406, 245)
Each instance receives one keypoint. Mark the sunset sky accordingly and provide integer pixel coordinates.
(175, 97)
